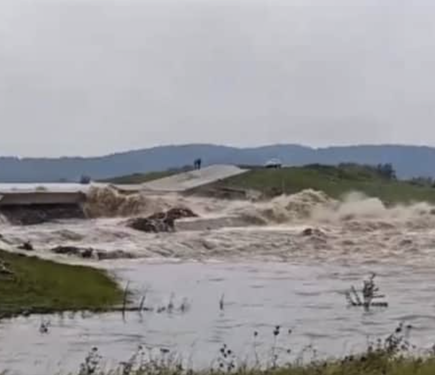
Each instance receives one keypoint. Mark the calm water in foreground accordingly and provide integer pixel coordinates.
(257, 296)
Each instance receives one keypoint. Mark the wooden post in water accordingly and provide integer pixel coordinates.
(124, 302)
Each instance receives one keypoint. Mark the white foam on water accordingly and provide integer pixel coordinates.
(357, 225)
(303, 291)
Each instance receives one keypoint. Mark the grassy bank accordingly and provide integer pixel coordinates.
(409, 367)
(398, 367)
(29, 284)
(334, 181)
(391, 356)
(365, 365)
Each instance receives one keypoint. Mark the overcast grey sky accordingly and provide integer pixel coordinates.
(91, 77)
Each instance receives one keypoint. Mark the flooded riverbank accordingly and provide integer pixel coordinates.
(308, 299)
(226, 279)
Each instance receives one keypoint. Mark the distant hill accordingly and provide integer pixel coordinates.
(409, 161)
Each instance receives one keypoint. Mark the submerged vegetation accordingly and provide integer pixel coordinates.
(36, 285)
(368, 296)
(30, 285)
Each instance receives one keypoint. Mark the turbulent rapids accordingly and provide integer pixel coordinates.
(306, 224)
(284, 261)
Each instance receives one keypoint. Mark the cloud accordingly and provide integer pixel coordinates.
(91, 76)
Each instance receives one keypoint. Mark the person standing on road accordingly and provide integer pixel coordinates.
(197, 163)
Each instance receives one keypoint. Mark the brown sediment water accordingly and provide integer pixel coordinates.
(358, 226)
(284, 262)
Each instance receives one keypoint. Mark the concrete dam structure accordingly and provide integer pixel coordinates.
(41, 198)
(27, 204)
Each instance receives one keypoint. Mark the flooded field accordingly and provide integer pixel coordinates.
(233, 286)
(308, 299)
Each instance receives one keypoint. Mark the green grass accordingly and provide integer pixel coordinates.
(373, 366)
(334, 181)
(368, 366)
(364, 366)
(43, 286)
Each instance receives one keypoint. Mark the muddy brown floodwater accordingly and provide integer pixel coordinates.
(275, 274)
